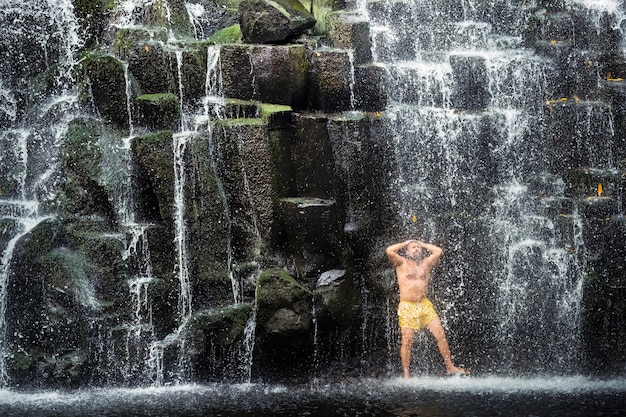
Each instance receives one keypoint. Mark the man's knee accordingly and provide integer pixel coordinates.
(407, 337)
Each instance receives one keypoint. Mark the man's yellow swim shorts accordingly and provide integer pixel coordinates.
(416, 315)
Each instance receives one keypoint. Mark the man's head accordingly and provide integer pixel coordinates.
(414, 250)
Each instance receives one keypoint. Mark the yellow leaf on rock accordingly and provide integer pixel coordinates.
(609, 77)
(549, 102)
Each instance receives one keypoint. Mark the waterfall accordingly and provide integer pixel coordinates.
(485, 128)
(213, 107)
(129, 97)
(25, 222)
(213, 85)
(184, 298)
(196, 17)
(467, 116)
(248, 347)
(39, 36)
(181, 94)
(351, 82)
(157, 349)
(61, 13)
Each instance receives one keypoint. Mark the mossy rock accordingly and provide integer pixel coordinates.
(218, 327)
(283, 304)
(155, 174)
(152, 67)
(208, 226)
(30, 60)
(276, 21)
(108, 88)
(232, 108)
(229, 4)
(128, 38)
(231, 34)
(245, 157)
(107, 271)
(41, 369)
(330, 88)
(349, 30)
(192, 75)
(91, 15)
(82, 154)
(267, 73)
(278, 116)
(241, 122)
(277, 288)
(585, 183)
(48, 307)
(171, 14)
(159, 111)
(85, 193)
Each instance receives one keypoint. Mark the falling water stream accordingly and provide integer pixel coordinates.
(478, 162)
(472, 175)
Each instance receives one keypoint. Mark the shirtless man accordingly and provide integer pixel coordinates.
(415, 311)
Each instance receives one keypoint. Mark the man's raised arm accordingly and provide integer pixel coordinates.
(392, 252)
(435, 253)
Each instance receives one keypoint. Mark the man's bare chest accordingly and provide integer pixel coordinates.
(413, 272)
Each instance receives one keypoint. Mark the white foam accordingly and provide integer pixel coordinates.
(565, 384)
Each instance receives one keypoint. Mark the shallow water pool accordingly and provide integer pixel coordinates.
(420, 396)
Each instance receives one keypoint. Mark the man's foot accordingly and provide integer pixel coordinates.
(457, 371)
(406, 374)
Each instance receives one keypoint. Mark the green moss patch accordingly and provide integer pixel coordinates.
(231, 34)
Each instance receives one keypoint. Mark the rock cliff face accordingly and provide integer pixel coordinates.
(199, 198)
(221, 160)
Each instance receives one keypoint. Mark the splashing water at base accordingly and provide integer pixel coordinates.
(442, 397)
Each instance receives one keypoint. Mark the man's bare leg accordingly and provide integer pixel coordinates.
(405, 349)
(437, 330)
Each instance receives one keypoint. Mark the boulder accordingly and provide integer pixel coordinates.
(273, 21)
(338, 297)
(311, 229)
(219, 327)
(172, 14)
(149, 63)
(283, 304)
(61, 281)
(370, 87)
